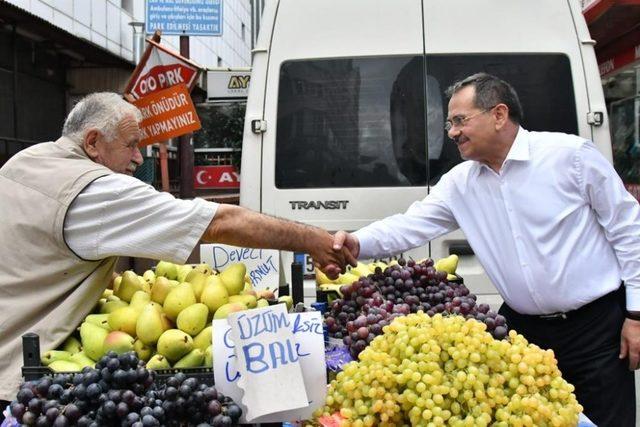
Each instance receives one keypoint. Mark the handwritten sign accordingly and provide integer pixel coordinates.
(267, 360)
(262, 264)
(309, 349)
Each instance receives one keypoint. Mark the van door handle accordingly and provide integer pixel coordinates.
(461, 248)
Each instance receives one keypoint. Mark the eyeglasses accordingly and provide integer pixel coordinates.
(460, 121)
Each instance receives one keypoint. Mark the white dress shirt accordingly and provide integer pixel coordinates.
(555, 229)
(119, 215)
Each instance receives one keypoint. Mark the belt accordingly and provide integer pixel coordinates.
(613, 297)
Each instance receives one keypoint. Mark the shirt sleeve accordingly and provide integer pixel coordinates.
(617, 212)
(118, 215)
(424, 221)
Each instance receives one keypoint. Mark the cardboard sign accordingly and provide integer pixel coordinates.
(262, 264)
(309, 347)
(160, 68)
(223, 176)
(166, 114)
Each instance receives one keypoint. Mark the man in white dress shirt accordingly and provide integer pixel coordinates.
(69, 208)
(554, 228)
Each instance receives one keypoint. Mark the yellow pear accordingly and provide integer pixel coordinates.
(167, 269)
(178, 299)
(92, 337)
(183, 271)
(139, 300)
(101, 320)
(347, 278)
(360, 270)
(233, 278)
(130, 285)
(116, 283)
(110, 306)
(107, 293)
(150, 325)
(149, 276)
(161, 288)
(82, 360)
(249, 300)
(193, 319)
(215, 294)
(72, 345)
(321, 278)
(197, 279)
(64, 366)
(204, 338)
(158, 361)
(193, 359)
(208, 357)
(174, 344)
(52, 355)
(448, 264)
(143, 351)
(118, 341)
(124, 319)
(231, 307)
(288, 300)
(204, 268)
(262, 303)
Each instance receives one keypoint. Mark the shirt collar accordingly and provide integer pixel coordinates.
(519, 150)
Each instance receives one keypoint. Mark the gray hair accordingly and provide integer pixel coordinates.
(102, 111)
(491, 91)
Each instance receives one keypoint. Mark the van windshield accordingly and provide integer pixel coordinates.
(379, 121)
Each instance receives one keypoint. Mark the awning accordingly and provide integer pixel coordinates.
(82, 50)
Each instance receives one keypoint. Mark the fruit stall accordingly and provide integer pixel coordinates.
(394, 344)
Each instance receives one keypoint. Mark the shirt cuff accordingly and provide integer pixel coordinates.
(633, 297)
(366, 242)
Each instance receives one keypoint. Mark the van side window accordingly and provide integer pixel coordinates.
(354, 122)
(543, 82)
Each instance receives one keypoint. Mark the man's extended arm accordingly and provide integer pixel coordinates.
(238, 226)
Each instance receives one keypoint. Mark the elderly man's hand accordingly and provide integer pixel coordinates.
(630, 342)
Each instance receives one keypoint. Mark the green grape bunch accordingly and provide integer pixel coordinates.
(436, 371)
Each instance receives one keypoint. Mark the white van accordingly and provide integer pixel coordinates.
(345, 115)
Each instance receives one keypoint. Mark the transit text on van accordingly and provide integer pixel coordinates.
(327, 204)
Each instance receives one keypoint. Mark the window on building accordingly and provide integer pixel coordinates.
(127, 5)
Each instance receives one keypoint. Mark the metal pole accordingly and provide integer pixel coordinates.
(14, 46)
(186, 149)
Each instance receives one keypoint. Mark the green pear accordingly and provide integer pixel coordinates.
(150, 325)
(101, 320)
(204, 338)
(161, 288)
(130, 285)
(124, 319)
(178, 299)
(92, 337)
(158, 361)
(288, 300)
(197, 280)
(149, 276)
(139, 300)
(233, 278)
(193, 359)
(183, 271)
(110, 306)
(72, 345)
(166, 269)
(231, 307)
(249, 300)
(143, 351)
(193, 319)
(174, 344)
(215, 294)
(208, 357)
(262, 303)
(52, 355)
(118, 341)
(82, 360)
(64, 366)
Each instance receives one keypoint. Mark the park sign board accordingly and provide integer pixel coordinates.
(184, 17)
(167, 113)
(161, 68)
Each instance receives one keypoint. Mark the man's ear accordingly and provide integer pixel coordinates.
(89, 143)
(501, 113)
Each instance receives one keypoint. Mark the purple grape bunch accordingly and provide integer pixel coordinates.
(120, 391)
(372, 302)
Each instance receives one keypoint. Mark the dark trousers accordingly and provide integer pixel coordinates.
(3, 406)
(587, 344)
